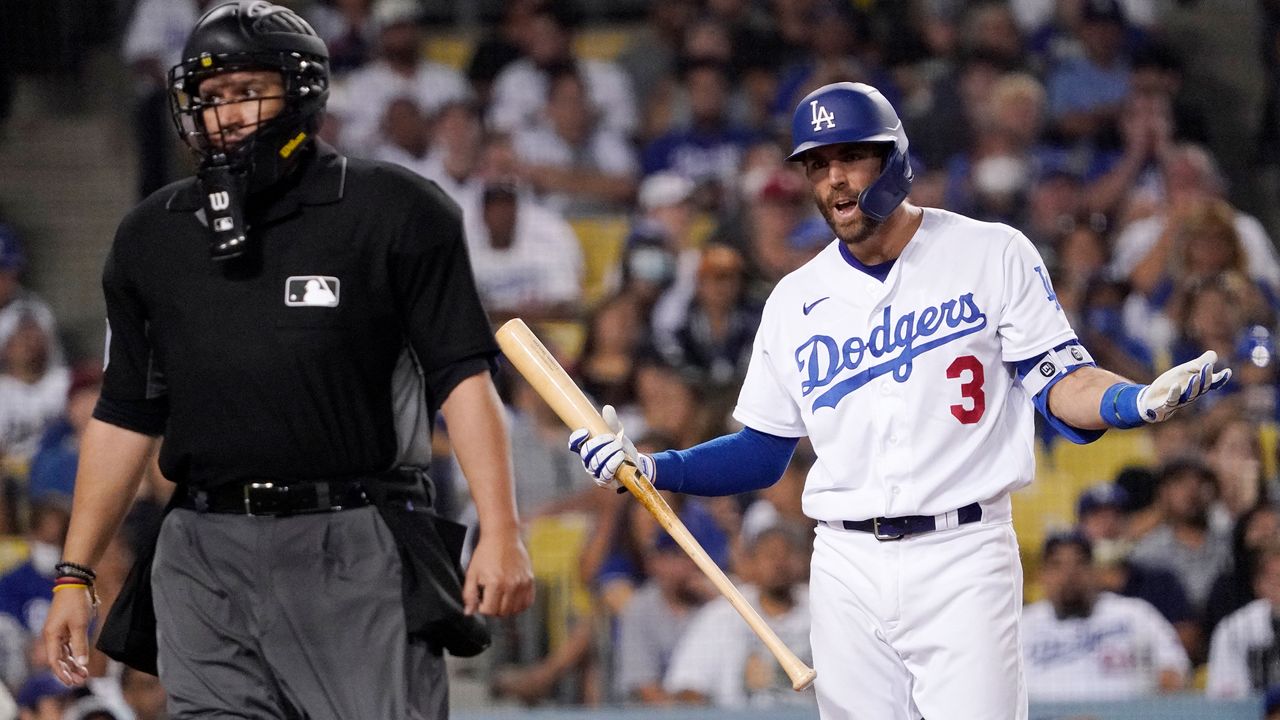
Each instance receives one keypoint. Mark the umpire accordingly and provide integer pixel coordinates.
(289, 320)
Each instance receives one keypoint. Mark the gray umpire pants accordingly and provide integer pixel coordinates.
(289, 618)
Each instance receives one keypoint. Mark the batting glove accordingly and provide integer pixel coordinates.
(1125, 405)
(603, 454)
(1181, 386)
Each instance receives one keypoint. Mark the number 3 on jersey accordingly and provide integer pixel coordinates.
(971, 411)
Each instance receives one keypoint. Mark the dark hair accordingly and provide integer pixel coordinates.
(1181, 466)
(1061, 539)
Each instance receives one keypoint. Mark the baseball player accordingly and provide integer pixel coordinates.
(911, 351)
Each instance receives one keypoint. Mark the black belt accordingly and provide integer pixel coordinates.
(278, 498)
(899, 527)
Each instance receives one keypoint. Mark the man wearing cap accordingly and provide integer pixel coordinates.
(361, 100)
(526, 258)
(290, 321)
(1082, 644)
(16, 301)
(1100, 519)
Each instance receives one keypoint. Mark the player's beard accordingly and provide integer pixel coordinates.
(853, 231)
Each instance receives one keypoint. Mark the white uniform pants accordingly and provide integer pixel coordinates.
(924, 627)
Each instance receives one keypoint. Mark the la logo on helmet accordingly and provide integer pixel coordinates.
(822, 115)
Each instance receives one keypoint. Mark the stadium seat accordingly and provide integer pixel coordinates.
(555, 547)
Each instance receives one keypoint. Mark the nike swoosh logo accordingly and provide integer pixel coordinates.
(812, 305)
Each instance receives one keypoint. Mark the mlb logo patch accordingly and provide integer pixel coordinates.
(311, 291)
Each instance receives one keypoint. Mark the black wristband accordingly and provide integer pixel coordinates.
(74, 570)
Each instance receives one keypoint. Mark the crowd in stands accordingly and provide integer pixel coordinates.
(634, 205)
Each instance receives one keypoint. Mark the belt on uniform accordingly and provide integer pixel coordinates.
(277, 498)
(897, 528)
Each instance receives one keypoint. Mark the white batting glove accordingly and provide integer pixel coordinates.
(1180, 386)
(602, 455)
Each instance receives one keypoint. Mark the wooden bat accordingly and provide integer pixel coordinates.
(541, 370)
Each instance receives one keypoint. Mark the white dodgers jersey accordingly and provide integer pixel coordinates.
(906, 387)
(1117, 653)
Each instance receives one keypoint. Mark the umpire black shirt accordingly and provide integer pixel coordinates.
(279, 364)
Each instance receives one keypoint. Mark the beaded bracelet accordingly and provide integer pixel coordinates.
(75, 570)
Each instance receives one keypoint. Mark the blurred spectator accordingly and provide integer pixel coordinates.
(1200, 242)
(53, 468)
(1233, 589)
(780, 503)
(1183, 543)
(1055, 206)
(153, 43)
(1079, 254)
(647, 267)
(719, 324)
(8, 708)
(991, 28)
(15, 638)
(33, 391)
(672, 403)
(44, 697)
(838, 46)
(1233, 451)
(1101, 324)
(455, 155)
(520, 90)
(616, 331)
(501, 46)
(707, 147)
(666, 212)
(18, 302)
(1082, 644)
(526, 258)
(1121, 181)
(1244, 655)
(1189, 174)
(650, 55)
(1139, 481)
(347, 28)
(719, 661)
(546, 475)
(577, 164)
(1087, 92)
(991, 179)
(655, 620)
(25, 590)
(359, 103)
(1101, 520)
(774, 200)
(1216, 314)
(405, 136)
(1158, 70)
(1100, 513)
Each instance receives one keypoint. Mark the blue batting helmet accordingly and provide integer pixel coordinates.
(849, 112)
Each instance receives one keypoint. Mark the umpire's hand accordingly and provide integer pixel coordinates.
(66, 634)
(499, 577)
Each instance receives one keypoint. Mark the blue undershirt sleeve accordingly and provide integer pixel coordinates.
(730, 464)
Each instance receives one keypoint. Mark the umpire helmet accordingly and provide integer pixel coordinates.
(252, 35)
(848, 112)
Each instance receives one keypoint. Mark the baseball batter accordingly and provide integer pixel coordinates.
(911, 351)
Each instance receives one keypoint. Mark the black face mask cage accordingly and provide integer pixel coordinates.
(305, 91)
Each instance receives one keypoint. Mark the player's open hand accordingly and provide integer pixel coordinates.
(1180, 386)
(604, 454)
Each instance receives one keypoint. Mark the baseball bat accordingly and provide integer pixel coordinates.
(544, 373)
